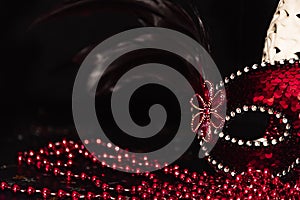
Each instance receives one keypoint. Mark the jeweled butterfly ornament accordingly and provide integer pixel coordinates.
(207, 115)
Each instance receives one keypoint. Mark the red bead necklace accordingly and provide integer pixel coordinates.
(188, 185)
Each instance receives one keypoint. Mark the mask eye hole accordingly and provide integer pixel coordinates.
(249, 126)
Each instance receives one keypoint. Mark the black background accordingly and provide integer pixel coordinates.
(236, 30)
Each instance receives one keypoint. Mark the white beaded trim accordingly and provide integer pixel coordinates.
(221, 167)
(261, 141)
(256, 67)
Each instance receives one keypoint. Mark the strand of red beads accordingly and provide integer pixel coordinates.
(189, 185)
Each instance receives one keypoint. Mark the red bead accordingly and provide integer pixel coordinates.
(155, 186)
(30, 190)
(158, 194)
(194, 194)
(194, 175)
(61, 193)
(50, 145)
(165, 184)
(39, 164)
(120, 197)
(188, 180)
(4, 185)
(145, 196)
(144, 183)
(58, 163)
(56, 171)
(90, 195)
(182, 177)
(69, 174)
(199, 190)
(170, 187)
(45, 193)
(97, 183)
(164, 192)
(70, 162)
(166, 170)
(139, 188)
(151, 176)
(83, 176)
(48, 167)
(179, 186)
(133, 190)
(94, 178)
(29, 161)
(15, 188)
(20, 158)
(185, 189)
(178, 194)
(75, 195)
(187, 196)
(119, 188)
(105, 186)
(238, 178)
(106, 195)
(150, 191)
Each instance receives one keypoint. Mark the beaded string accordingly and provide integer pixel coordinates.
(189, 185)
